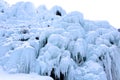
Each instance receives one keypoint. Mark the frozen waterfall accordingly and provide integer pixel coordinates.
(64, 46)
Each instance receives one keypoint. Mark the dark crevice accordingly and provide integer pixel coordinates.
(37, 38)
(45, 42)
(48, 26)
(79, 58)
(62, 76)
(2, 11)
(53, 73)
(46, 74)
(104, 67)
(112, 42)
(100, 58)
(24, 39)
(84, 59)
(118, 30)
(24, 31)
(12, 48)
(58, 13)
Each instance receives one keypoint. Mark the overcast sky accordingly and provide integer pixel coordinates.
(92, 9)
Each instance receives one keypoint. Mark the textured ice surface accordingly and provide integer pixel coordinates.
(54, 43)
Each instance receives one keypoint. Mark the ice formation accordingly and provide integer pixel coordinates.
(54, 43)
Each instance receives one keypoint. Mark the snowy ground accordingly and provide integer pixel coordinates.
(5, 76)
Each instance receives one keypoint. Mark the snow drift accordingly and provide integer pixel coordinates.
(54, 43)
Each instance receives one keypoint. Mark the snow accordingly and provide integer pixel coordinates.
(22, 77)
(41, 44)
(5, 76)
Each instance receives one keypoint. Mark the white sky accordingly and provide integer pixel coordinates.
(92, 9)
